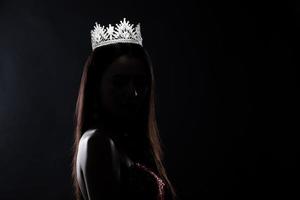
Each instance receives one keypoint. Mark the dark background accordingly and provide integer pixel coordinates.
(226, 85)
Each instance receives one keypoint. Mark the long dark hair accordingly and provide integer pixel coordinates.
(85, 119)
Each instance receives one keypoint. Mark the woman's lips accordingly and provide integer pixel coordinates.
(130, 106)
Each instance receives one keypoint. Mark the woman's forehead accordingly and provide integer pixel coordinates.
(127, 65)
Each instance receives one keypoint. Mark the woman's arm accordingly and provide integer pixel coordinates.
(98, 167)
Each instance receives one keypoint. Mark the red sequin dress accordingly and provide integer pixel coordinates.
(141, 183)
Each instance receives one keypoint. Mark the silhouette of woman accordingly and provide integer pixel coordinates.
(117, 152)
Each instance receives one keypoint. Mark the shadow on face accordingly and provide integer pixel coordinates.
(124, 87)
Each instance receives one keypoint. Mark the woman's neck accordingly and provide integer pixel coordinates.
(129, 140)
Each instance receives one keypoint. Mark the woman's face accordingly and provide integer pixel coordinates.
(124, 87)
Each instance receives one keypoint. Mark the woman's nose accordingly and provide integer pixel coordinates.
(132, 90)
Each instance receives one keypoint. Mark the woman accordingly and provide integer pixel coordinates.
(117, 151)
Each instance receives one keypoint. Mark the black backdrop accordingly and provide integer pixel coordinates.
(226, 87)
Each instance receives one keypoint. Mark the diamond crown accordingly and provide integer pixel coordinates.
(123, 32)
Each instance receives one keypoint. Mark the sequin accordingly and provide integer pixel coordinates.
(159, 181)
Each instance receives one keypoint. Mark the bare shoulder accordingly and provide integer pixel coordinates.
(98, 165)
(90, 134)
(94, 145)
(93, 138)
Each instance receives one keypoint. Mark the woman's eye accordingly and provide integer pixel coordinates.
(119, 81)
(141, 81)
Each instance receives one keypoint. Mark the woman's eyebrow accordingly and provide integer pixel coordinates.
(119, 75)
(128, 75)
